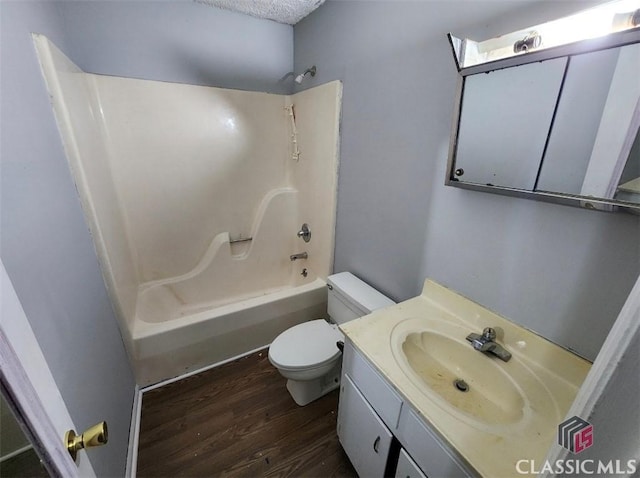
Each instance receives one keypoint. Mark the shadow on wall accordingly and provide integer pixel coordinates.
(555, 287)
(238, 76)
(178, 41)
(615, 289)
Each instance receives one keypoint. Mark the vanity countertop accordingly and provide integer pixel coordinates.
(543, 377)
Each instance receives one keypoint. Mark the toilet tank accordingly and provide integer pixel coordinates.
(351, 298)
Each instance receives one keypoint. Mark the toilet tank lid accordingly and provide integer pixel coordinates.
(355, 290)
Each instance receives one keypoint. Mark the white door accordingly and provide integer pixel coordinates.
(25, 377)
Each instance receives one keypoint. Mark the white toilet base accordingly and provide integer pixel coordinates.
(305, 392)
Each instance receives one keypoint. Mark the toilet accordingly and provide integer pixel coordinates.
(307, 355)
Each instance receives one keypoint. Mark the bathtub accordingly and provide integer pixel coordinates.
(239, 297)
(174, 347)
(194, 196)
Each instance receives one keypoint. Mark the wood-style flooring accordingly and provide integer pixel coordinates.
(25, 465)
(238, 420)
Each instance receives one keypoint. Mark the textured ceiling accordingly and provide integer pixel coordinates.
(282, 11)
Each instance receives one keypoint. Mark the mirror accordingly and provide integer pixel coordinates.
(562, 129)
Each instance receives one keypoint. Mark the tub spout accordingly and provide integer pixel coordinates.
(301, 255)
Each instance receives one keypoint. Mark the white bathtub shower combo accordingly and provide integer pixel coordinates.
(195, 197)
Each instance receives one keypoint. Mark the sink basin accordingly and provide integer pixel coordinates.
(480, 389)
(466, 379)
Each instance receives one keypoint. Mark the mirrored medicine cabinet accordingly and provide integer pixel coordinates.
(557, 124)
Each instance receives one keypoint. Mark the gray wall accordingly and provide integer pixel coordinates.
(45, 243)
(561, 271)
(180, 41)
(46, 246)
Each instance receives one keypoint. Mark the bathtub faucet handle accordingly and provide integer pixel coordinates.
(305, 232)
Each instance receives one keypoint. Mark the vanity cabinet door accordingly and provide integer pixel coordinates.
(407, 468)
(362, 434)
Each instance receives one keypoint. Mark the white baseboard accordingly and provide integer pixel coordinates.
(134, 434)
(148, 388)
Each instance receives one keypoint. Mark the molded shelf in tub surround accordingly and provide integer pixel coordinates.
(539, 383)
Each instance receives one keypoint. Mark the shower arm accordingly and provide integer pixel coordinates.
(309, 71)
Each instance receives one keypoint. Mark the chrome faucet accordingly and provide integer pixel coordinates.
(486, 343)
(301, 255)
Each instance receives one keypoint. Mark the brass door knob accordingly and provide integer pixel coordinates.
(95, 436)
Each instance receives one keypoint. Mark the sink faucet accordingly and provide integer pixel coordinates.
(486, 343)
(301, 255)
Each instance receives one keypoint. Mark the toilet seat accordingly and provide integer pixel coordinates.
(306, 346)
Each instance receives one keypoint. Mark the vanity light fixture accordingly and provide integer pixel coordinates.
(615, 17)
(531, 41)
(593, 23)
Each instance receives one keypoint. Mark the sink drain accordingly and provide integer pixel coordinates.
(461, 385)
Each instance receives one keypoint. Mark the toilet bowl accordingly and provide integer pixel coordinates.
(307, 355)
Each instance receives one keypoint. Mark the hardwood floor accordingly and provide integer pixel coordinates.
(238, 420)
(25, 465)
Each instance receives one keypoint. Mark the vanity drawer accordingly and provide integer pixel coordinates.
(385, 401)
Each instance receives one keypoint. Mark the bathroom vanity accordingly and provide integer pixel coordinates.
(372, 413)
(417, 398)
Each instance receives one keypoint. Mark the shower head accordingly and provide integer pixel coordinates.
(309, 71)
